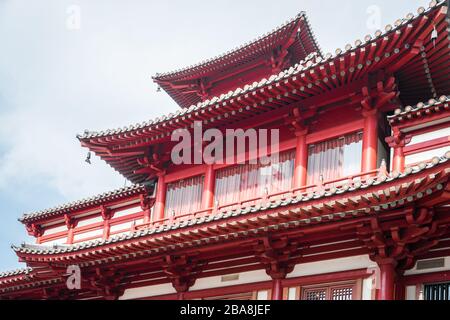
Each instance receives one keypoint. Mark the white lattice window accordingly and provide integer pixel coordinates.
(343, 291)
(315, 294)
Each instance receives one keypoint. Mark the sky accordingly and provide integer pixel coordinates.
(67, 66)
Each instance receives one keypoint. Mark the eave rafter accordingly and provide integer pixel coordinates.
(403, 243)
(419, 188)
(400, 219)
(282, 236)
(395, 51)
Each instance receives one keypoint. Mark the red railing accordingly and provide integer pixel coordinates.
(281, 195)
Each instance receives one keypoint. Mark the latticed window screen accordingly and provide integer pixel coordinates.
(440, 291)
(184, 196)
(249, 181)
(335, 158)
(341, 292)
(344, 293)
(315, 294)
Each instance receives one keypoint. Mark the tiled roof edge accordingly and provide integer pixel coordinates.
(15, 272)
(311, 61)
(83, 202)
(232, 51)
(57, 249)
(418, 107)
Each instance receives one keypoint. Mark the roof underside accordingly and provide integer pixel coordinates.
(294, 216)
(416, 179)
(422, 76)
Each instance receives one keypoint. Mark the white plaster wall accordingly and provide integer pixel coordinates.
(148, 291)
(367, 287)
(426, 155)
(262, 295)
(314, 268)
(245, 277)
(89, 221)
(121, 226)
(430, 136)
(126, 212)
(55, 230)
(415, 271)
(329, 266)
(292, 292)
(55, 241)
(410, 293)
(84, 235)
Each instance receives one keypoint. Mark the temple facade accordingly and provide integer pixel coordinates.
(356, 205)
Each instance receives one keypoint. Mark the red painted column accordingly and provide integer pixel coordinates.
(70, 224)
(145, 206)
(147, 216)
(301, 160)
(387, 280)
(208, 188)
(70, 235)
(106, 229)
(399, 159)
(370, 141)
(400, 293)
(398, 141)
(277, 290)
(106, 215)
(160, 198)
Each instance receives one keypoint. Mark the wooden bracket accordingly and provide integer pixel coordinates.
(398, 139)
(70, 221)
(276, 256)
(182, 271)
(106, 282)
(383, 94)
(34, 230)
(153, 162)
(299, 120)
(105, 212)
(402, 243)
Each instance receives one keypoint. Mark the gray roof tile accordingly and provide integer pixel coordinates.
(83, 203)
(310, 62)
(40, 249)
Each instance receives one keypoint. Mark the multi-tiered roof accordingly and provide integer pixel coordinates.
(408, 49)
(415, 49)
(279, 49)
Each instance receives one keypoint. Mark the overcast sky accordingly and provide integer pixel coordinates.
(67, 66)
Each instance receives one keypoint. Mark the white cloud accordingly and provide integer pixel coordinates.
(55, 82)
(56, 88)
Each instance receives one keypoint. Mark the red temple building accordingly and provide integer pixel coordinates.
(357, 205)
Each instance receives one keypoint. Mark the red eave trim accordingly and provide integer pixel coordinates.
(434, 277)
(427, 145)
(266, 285)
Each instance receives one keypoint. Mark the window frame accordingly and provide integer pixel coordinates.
(355, 284)
(359, 132)
(167, 213)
